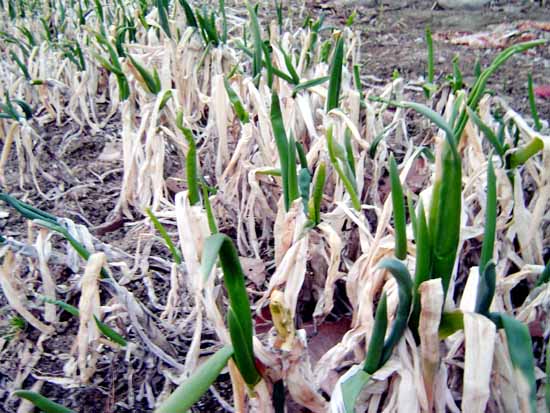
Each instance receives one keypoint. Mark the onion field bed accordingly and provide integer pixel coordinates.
(279, 206)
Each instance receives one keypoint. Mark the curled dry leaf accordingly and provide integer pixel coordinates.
(431, 299)
(8, 270)
(334, 243)
(89, 309)
(479, 337)
(44, 249)
(288, 226)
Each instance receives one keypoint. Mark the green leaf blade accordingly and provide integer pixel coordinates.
(478, 89)
(376, 344)
(110, 333)
(164, 234)
(238, 107)
(336, 153)
(309, 84)
(163, 18)
(152, 81)
(282, 145)
(293, 191)
(521, 354)
(487, 132)
(317, 196)
(451, 322)
(240, 316)
(445, 211)
(189, 15)
(524, 153)
(351, 388)
(486, 288)
(405, 287)
(532, 103)
(423, 263)
(398, 201)
(191, 167)
(192, 389)
(335, 75)
(257, 38)
(43, 403)
(544, 276)
(490, 218)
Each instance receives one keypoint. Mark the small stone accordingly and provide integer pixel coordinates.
(354, 3)
(543, 91)
(463, 4)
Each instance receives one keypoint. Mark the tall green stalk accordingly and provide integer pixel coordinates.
(287, 154)
(239, 316)
(335, 75)
(398, 202)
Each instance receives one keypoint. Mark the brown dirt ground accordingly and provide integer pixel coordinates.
(393, 39)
